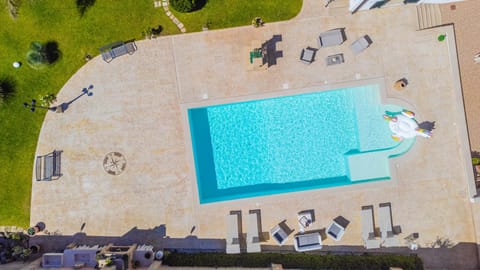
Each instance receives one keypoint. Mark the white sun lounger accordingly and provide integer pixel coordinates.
(253, 235)
(386, 228)
(368, 228)
(233, 236)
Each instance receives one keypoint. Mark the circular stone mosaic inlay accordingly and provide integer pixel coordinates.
(114, 163)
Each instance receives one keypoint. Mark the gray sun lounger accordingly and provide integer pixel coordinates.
(253, 234)
(48, 167)
(385, 221)
(233, 235)
(368, 228)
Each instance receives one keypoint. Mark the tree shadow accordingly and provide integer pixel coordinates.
(52, 53)
(199, 4)
(7, 88)
(84, 5)
(442, 242)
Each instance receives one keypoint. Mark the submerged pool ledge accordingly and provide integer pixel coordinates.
(377, 162)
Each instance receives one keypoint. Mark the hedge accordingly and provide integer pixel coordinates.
(295, 260)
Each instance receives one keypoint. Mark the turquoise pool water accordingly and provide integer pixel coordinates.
(285, 144)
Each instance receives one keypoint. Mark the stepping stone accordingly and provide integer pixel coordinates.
(175, 20)
(183, 30)
(168, 13)
(165, 4)
(157, 4)
(171, 17)
(165, 8)
(180, 25)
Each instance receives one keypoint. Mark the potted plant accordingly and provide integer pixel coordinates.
(35, 249)
(475, 161)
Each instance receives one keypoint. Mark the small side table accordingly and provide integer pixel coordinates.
(400, 84)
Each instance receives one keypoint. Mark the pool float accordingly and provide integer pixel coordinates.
(403, 125)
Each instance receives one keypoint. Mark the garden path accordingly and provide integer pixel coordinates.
(175, 20)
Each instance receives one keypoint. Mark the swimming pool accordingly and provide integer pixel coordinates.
(290, 143)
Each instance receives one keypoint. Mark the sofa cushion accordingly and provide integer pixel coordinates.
(308, 241)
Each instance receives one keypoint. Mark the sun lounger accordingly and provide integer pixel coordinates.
(308, 241)
(308, 55)
(279, 234)
(48, 167)
(331, 38)
(361, 44)
(368, 228)
(233, 235)
(253, 235)
(386, 228)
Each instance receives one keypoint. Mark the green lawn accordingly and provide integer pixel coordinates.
(105, 22)
(218, 14)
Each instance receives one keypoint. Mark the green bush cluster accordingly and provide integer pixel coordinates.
(295, 260)
(183, 5)
(41, 55)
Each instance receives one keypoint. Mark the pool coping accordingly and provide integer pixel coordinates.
(384, 98)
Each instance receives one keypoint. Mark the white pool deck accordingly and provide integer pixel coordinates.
(138, 109)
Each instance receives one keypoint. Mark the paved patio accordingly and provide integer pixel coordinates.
(138, 108)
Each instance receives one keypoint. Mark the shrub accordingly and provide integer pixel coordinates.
(183, 5)
(295, 260)
(47, 100)
(36, 56)
(40, 55)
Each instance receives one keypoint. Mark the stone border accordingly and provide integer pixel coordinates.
(164, 4)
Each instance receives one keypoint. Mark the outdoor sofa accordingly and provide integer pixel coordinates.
(308, 241)
(331, 38)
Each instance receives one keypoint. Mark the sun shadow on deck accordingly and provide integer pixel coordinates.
(270, 47)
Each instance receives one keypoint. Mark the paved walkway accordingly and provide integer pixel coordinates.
(465, 17)
(139, 109)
